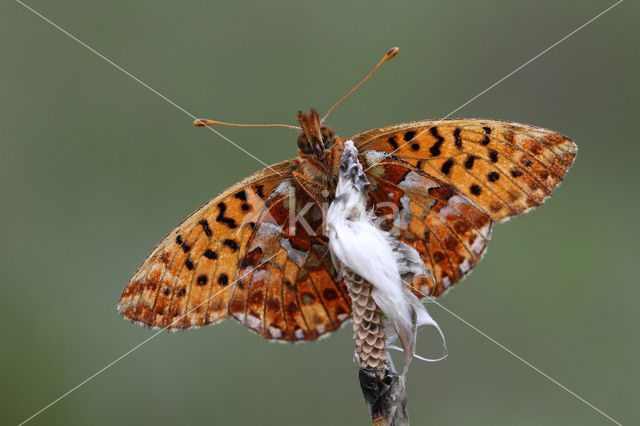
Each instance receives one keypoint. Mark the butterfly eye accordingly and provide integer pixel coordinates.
(328, 137)
(303, 144)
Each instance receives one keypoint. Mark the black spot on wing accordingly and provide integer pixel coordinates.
(485, 140)
(205, 227)
(201, 280)
(210, 254)
(446, 166)
(458, 139)
(392, 141)
(232, 244)
(409, 135)
(435, 148)
(222, 208)
(468, 163)
(223, 279)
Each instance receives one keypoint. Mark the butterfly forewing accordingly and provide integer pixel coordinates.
(448, 230)
(505, 168)
(186, 279)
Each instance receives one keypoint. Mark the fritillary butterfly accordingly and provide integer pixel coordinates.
(256, 252)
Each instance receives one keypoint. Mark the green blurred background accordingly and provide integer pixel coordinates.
(95, 169)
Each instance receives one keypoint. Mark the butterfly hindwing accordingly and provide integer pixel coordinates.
(449, 231)
(505, 168)
(186, 280)
(289, 289)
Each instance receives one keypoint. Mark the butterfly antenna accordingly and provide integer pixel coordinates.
(201, 122)
(390, 54)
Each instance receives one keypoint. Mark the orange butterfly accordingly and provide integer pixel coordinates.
(257, 253)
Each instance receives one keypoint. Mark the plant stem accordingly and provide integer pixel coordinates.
(383, 389)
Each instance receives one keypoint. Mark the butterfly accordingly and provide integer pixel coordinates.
(256, 252)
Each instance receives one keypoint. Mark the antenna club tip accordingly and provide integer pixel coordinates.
(391, 53)
(201, 122)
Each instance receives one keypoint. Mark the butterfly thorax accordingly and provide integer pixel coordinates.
(319, 150)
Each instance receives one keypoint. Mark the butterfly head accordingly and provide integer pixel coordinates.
(315, 139)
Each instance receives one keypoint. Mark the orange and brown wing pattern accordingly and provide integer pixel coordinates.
(505, 168)
(449, 231)
(289, 289)
(187, 279)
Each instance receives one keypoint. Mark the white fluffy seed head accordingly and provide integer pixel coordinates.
(385, 262)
